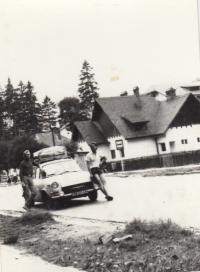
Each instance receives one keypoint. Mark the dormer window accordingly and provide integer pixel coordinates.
(140, 127)
(137, 122)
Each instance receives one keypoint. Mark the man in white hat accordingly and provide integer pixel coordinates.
(26, 176)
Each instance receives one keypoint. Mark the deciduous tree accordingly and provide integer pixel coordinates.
(71, 110)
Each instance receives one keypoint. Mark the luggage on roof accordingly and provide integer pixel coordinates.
(51, 153)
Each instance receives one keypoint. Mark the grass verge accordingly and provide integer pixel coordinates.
(155, 246)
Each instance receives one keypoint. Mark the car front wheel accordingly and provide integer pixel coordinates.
(93, 196)
(50, 203)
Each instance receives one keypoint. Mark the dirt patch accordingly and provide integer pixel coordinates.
(154, 246)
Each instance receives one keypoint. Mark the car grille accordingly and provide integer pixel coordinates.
(77, 188)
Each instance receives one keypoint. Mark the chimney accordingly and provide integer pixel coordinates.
(124, 93)
(137, 97)
(171, 94)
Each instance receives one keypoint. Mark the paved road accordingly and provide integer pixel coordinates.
(150, 198)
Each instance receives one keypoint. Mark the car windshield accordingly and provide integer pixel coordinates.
(61, 167)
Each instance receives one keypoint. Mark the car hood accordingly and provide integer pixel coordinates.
(66, 179)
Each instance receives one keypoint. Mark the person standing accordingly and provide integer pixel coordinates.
(26, 176)
(93, 160)
(15, 176)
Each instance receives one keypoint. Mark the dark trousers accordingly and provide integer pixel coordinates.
(29, 186)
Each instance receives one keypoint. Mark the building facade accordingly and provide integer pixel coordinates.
(129, 127)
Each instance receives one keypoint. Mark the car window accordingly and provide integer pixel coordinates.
(59, 167)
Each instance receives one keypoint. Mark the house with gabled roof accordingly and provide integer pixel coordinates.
(134, 126)
(159, 91)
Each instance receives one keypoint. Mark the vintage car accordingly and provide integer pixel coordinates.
(63, 180)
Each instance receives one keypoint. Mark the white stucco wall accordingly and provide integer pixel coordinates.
(84, 146)
(66, 133)
(141, 147)
(132, 148)
(189, 133)
(135, 148)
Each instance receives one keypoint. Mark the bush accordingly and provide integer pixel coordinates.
(35, 218)
(11, 239)
(159, 229)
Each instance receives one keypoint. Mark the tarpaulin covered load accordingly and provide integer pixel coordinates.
(51, 153)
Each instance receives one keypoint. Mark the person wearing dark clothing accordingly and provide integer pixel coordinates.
(103, 165)
(26, 176)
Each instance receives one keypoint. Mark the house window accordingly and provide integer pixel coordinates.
(113, 155)
(121, 153)
(184, 141)
(163, 146)
(198, 139)
(140, 127)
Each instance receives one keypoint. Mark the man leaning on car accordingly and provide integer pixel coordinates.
(93, 160)
(26, 176)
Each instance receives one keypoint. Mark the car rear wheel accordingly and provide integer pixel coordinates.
(93, 196)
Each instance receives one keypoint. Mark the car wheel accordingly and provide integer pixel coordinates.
(50, 203)
(93, 196)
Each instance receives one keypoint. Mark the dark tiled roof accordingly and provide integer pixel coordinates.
(168, 111)
(134, 119)
(160, 114)
(46, 137)
(116, 107)
(91, 132)
(123, 111)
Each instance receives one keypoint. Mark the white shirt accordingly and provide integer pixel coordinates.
(93, 159)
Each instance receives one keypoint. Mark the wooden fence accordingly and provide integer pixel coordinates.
(169, 160)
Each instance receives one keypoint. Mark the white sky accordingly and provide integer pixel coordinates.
(127, 42)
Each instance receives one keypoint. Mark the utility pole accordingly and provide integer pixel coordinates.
(52, 135)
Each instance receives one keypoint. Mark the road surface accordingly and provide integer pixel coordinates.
(148, 198)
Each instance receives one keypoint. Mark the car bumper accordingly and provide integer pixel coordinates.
(74, 195)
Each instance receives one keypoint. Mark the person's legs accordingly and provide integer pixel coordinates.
(103, 181)
(101, 185)
(26, 188)
(30, 200)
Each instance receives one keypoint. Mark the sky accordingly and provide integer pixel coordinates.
(127, 42)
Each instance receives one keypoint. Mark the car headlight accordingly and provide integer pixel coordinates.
(54, 185)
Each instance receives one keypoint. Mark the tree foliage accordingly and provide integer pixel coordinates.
(21, 113)
(88, 87)
(11, 152)
(71, 147)
(71, 110)
(48, 113)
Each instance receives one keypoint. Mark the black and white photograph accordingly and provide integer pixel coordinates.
(99, 135)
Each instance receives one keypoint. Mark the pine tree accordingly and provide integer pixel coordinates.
(31, 110)
(21, 114)
(87, 91)
(48, 113)
(11, 108)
